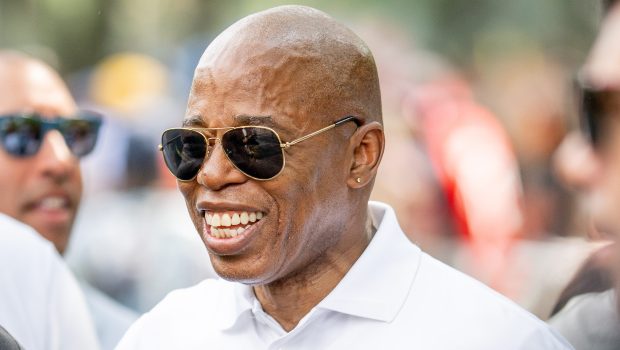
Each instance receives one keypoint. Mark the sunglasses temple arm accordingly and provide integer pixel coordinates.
(329, 127)
(303, 138)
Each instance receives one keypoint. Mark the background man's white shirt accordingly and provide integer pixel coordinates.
(41, 305)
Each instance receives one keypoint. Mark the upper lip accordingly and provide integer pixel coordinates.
(204, 206)
(56, 193)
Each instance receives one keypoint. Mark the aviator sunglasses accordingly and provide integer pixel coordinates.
(594, 107)
(256, 151)
(22, 135)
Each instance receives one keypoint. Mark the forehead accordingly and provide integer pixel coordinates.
(293, 65)
(32, 87)
(270, 85)
(602, 67)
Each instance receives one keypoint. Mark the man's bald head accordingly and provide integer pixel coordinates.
(25, 81)
(327, 69)
(42, 190)
(295, 70)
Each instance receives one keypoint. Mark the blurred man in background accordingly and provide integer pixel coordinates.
(590, 161)
(42, 136)
(144, 246)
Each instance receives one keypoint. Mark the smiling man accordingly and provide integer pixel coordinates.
(43, 135)
(40, 179)
(276, 159)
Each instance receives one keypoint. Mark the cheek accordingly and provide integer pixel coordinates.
(604, 200)
(604, 196)
(189, 192)
(14, 178)
(307, 200)
(77, 182)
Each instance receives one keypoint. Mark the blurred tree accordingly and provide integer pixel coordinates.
(81, 32)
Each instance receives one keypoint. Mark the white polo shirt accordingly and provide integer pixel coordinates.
(41, 304)
(590, 322)
(393, 297)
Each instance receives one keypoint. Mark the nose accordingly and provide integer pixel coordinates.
(576, 163)
(55, 159)
(217, 171)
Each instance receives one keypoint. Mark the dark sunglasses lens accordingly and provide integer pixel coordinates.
(20, 136)
(80, 135)
(255, 151)
(597, 107)
(590, 112)
(184, 151)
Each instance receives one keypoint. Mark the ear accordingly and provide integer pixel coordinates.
(367, 142)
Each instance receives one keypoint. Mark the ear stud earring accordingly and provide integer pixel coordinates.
(358, 180)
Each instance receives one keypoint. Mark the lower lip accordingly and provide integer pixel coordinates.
(232, 245)
(53, 216)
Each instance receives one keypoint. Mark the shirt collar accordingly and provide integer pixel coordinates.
(235, 300)
(375, 287)
(378, 284)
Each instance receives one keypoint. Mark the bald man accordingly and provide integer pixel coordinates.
(306, 262)
(43, 135)
(40, 183)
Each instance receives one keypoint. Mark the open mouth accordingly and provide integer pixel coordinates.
(230, 224)
(51, 210)
(53, 203)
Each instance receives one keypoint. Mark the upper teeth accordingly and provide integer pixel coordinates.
(232, 218)
(52, 202)
(240, 219)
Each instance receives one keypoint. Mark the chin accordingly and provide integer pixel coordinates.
(242, 270)
(59, 236)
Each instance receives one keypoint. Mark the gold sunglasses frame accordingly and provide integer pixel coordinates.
(283, 145)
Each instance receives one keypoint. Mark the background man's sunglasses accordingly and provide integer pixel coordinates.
(594, 107)
(21, 135)
(256, 151)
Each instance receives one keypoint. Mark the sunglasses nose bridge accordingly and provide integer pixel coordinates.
(217, 170)
(48, 126)
(211, 142)
(58, 145)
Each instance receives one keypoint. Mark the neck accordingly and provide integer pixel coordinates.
(289, 299)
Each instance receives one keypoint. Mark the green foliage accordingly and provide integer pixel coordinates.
(80, 32)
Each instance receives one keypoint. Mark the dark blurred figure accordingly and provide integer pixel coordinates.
(594, 276)
(588, 311)
(7, 342)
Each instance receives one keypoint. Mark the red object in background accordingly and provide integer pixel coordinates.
(476, 166)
